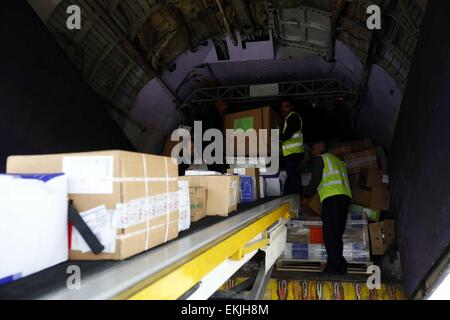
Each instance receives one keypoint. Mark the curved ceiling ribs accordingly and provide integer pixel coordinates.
(397, 41)
(123, 44)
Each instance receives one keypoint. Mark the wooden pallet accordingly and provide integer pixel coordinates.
(318, 266)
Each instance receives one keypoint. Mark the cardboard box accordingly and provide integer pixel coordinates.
(274, 184)
(223, 193)
(362, 196)
(341, 151)
(115, 193)
(371, 214)
(382, 236)
(262, 118)
(33, 228)
(252, 172)
(360, 145)
(364, 159)
(380, 199)
(370, 177)
(198, 200)
(389, 231)
(315, 205)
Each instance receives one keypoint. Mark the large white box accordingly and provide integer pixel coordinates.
(274, 184)
(33, 227)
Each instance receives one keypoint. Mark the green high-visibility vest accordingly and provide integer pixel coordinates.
(334, 178)
(295, 143)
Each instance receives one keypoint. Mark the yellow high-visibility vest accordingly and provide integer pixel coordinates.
(334, 178)
(295, 143)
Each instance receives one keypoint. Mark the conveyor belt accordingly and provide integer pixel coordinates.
(107, 279)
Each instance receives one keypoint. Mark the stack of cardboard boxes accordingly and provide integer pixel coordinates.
(268, 184)
(246, 180)
(367, 168)
(250, 163)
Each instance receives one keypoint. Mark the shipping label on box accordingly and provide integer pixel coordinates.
(137, 211)
(197, 197)
(184, 205)
(89, 174)
(99, 220)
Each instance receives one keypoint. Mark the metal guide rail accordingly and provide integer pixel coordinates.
(191, 267)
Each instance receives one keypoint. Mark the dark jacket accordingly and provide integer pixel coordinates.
(316, 178)
(293, 125)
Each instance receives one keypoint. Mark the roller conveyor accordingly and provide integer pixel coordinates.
(192, 266)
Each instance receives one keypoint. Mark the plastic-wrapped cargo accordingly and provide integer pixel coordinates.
(33, 228)
(305, 240)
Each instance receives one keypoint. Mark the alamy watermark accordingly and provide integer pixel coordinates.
(73, 22)
(373, 22)
(74, 280)
(374, 280)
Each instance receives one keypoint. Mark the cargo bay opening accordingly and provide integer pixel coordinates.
(135, 72)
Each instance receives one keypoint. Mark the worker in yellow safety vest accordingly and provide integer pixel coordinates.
(292, 148)
(329, 179)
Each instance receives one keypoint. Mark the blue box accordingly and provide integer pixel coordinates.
(247, 189)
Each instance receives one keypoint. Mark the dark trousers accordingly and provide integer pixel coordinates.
(334, 217)
(290, 164)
